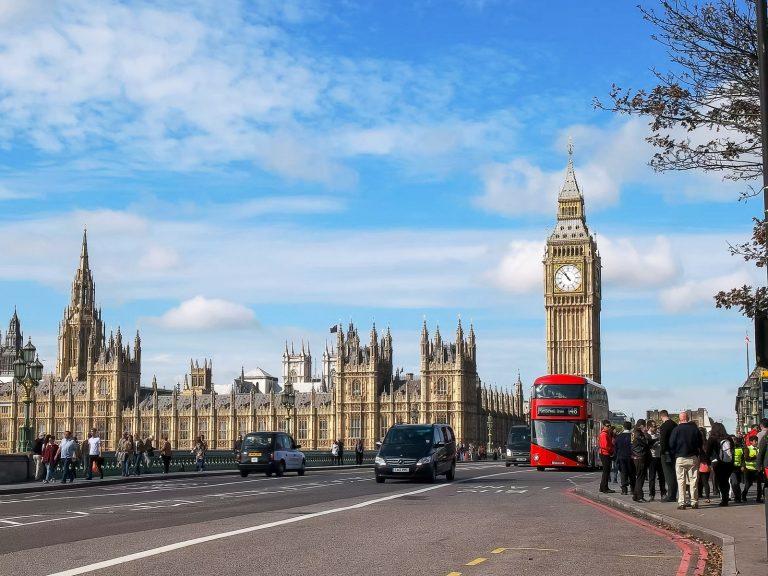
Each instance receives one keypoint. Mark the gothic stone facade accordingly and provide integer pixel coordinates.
(97, 384)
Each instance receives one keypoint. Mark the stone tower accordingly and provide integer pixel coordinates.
(572, 287)
(450, 387)
(362, 373)
(297, 367)
(81, 332)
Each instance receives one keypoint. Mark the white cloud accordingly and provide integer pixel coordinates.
(160, 258)
(8, 194)
(201, 313)
(686, 296)
(520, 270)
(639, 262)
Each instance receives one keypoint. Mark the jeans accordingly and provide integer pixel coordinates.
(138, 459)
(736, 477)
(166, 463)
(94, 459)
(38, 459)
(640, 469)
(66, 470)
(670, 476)
(656, 471)
(87, 464)
(50, 470)
(127, 458)
(200, 465)
(687, 470)
(723, 471)
(605, 460)
(627, 474)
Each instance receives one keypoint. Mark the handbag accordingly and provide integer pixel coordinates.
(703, 468)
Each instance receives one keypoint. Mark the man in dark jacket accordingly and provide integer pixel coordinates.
(686, 442)
(641, 457)
(667, 457)
(622, 448)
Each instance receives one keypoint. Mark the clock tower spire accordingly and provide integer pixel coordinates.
(572, 287)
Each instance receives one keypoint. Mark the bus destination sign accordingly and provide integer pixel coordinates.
(557, 411)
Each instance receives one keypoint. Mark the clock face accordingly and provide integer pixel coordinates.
(568, 278)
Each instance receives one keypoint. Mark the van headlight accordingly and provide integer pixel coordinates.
(425, 460)
(580, 458)
(379, 461)
(509, 452)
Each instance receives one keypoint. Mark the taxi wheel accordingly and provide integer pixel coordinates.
(451, 474)
(508, 464)
(380, 479)
(268, 473)
(280, 470)
(432, 475)
(244, 473)
(303, 468)
(540, 468)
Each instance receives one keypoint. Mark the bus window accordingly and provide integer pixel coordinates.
(559, 391)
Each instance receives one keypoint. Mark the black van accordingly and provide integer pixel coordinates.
(417, 451)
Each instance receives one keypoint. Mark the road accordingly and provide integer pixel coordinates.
(491, 520)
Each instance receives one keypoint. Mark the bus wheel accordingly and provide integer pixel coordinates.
(540, 468)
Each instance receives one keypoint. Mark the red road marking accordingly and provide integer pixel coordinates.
(679, 541)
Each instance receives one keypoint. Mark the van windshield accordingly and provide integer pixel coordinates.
(257, 441)
(411, 435)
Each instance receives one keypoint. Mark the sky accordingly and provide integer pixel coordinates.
(251, 173)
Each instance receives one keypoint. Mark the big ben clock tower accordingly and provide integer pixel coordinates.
(572, 287)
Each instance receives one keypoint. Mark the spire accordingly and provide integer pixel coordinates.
(570, 188)
(84, 252)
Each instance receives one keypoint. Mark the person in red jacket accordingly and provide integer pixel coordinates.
(606, 452)
(49, 458)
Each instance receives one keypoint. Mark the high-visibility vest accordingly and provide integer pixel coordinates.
(751, 462)
(738, 453)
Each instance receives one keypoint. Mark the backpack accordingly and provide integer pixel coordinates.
(139, 445)
(726, 452)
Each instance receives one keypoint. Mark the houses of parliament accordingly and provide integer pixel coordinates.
(97, 378)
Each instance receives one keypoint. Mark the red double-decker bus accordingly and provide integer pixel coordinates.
(566, 416)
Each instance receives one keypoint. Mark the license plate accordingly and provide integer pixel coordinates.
(254, 459)
(254, 453)
(557, 462)
(400, 470)
(521, 459)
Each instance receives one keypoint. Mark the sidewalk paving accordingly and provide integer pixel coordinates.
(81, 482)
(739, 528)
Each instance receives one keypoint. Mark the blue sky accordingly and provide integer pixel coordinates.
(251, 173)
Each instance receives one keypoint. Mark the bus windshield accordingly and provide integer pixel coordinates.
(519, 438)
(560, 434)
(559, 391)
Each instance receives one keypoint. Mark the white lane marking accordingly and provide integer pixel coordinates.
(148, 505)
(187, 543)
(46, 520)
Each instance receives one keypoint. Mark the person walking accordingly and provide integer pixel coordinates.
(667, 457)
(237, 447)
(704, 467)
(49, 458)
(93, 449)
(359, 451)
(149, 453)
(720, 449)
(198, 451)
(738, 461)
(641, 456)
(126, 454)
(750, 468)
(65, 453)
(606, 453)
(341, 452)
(140, 452)
(165, 453)
(37, 456)
(654, 466)
(685, 443)
(622, 447)
(335, 452)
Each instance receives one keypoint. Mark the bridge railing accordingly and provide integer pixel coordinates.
(184, 461)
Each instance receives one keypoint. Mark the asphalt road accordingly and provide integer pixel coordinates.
(491, 520)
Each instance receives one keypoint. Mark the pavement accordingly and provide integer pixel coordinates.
(38, 486)
(738, 528)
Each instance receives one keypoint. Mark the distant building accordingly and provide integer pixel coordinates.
(748, 401)
(700, 417)
(618, 419)
(96, 384)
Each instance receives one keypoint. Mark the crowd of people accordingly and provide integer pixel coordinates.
(683, 461)
(66, 457)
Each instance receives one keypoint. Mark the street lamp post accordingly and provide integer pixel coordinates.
(288, 401)
(27, 370)
(489, 447)
(414, 414)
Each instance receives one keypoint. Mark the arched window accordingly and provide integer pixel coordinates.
(103, 386)
(442, 387)
(356, 388)
(292, 378)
